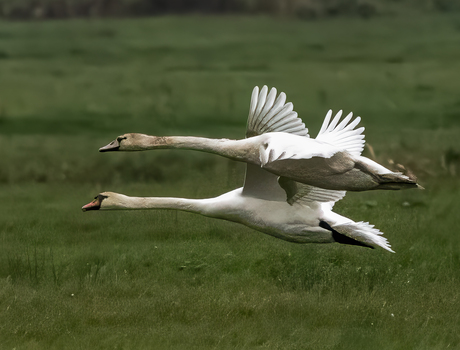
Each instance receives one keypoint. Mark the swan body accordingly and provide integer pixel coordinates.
(278, 142)
(302, 222)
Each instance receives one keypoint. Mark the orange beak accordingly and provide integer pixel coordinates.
(94, 205)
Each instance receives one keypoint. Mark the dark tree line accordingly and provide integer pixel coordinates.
(37, 9)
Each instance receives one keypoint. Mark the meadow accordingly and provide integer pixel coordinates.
(174, 280)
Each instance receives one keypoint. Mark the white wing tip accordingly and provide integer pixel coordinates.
(375, 236)
(268, 113)
(345, 134)
(365, 233)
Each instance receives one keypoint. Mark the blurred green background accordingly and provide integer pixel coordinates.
(302, 9)
(172, 280)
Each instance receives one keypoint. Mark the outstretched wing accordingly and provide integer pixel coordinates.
(365, 233)
(361, 233)
(343, 135)
(259, 183)
(268, 113)
(302, 193)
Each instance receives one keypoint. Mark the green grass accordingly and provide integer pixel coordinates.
(169, 280)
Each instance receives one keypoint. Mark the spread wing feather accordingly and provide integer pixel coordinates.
(299, 192)
(267, 114)
(343, 135)
(364, 232)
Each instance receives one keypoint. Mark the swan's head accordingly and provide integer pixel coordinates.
(128, 142)
(107, 200)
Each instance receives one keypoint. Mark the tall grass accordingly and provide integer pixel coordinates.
(169, 280)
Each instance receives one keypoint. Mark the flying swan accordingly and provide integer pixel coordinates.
(279, 207)
(278, 141)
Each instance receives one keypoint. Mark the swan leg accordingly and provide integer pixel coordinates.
(385, 179)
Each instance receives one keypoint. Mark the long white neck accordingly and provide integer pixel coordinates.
(116, 201)
(242, 150)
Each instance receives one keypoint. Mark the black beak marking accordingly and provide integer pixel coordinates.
(98, 199)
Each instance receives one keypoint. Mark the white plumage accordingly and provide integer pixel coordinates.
(278, 141)
(277, 206)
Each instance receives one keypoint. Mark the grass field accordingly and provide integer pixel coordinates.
(169, 280)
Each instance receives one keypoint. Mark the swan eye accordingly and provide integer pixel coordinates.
(101, 197)
(119, 138)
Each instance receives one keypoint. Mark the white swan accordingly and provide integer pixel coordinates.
(281, 207)
(278, 141)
